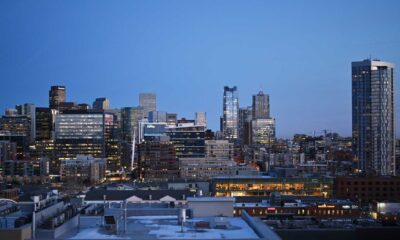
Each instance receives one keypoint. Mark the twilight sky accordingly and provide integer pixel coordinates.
(299, 52)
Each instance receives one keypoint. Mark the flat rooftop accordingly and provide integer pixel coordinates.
(167, 227)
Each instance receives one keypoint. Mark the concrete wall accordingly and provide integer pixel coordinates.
(142, 211)
(211, 208)
(44, 214)
(57, 232)
(21, 233)
(259, 227)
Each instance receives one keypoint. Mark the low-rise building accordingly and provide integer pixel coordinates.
(157, 160)
(368, 189)
(101, 195)
(27, 168)
(83, 169)
(265, 185)
(219, 149)
(207, 168)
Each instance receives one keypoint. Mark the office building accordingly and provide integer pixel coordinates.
(260, 106)
(16, 125)
(117, 116)
(368, 189)
(101, 104)
(233, 186)
(27, 168)
(172, 119)
(262, 132)
(17, 129)
(230, 121)
(57, 95)
(201, 119)
(157, 160)
(72, 106)
(149, 131)
(157, 116)
(373, 96)
(8, 150)
(79, 133)
(219, 149)
(245, 117)
(11, 112)
(113, 149)
(83, 169)
(209, 167)
(148, 102)
(44, 123)
(130, 117)
(188, 140)
(28, 109)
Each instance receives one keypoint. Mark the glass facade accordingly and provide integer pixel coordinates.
(264, 186)
(44, 123)
(245, 117)
(373, 116)
(230, 121)
(79, 134)
(79, 126)
(188, 141)
(262, 132)
(130, 117)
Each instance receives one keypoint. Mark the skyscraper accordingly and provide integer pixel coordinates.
(28, 109)
(148, 102)
(130, 117)
(101, 104)
(188, 140)
(201, 119)
(56, 96)
(230, 121)
(245, 117)
(262, 131)
(45, 118)
(260, 106)
(80, 133)
(373, 116)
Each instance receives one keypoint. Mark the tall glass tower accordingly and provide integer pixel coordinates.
(374, 116)
(230, 121)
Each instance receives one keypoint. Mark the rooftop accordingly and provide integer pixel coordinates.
(211, 199)
(167, 227)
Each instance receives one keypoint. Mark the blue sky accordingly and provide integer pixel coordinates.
(299, 52)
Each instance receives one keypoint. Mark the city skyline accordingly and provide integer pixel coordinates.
(199, 119)
(191, 48)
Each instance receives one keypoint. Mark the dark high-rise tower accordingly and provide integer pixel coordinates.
(374, 116)
(56, 96)
(230, 122)
(101, 104)
(260, 106)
